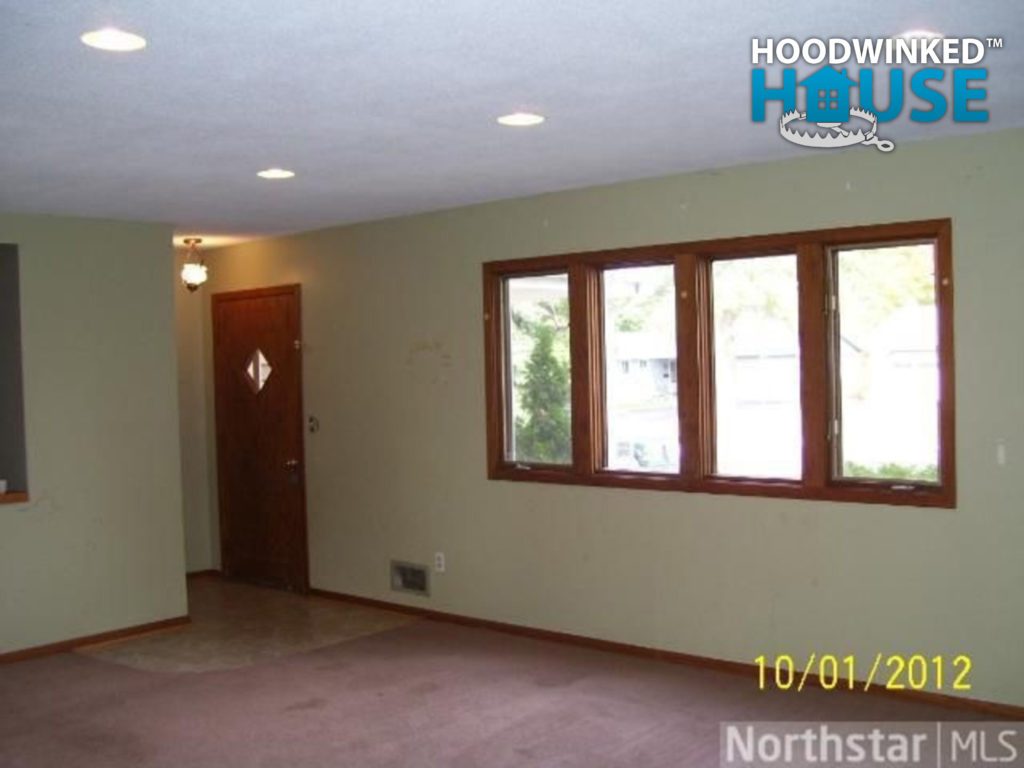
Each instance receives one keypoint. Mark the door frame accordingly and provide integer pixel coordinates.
(294, 290)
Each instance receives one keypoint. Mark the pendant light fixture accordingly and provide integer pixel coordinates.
(193, 271)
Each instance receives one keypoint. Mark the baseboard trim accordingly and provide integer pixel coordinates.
(103, 637)
(206, 573)
(993, 708)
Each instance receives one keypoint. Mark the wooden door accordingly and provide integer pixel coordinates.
(257, 354)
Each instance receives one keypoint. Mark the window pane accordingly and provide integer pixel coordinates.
(758, 431)
(888, 363)
(640, 369)
(538, 415)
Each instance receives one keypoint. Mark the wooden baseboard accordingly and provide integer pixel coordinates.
(87, 640)
(992, 708)
(208, 573)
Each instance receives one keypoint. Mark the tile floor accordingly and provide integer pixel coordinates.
(237, 625)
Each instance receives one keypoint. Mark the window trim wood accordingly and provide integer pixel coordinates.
(692, 266)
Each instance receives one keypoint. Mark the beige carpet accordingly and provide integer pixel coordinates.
(238, 625)
(427, 695)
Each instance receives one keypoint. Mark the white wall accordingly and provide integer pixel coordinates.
(394, 371)
(99, 545)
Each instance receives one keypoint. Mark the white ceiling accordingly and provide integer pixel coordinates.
(386, 107)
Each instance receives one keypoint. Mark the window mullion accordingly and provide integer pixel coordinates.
(693, 368)
(587, 379)
(814, 363)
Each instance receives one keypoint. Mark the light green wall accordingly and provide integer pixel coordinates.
(99, 545)
(394, 372)
(195, 468)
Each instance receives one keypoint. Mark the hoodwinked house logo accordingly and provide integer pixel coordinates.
(846, 101)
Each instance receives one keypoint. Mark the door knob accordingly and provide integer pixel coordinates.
(294, 475)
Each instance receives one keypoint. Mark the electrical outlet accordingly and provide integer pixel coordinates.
(439, 563)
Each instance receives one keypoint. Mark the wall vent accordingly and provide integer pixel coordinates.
(409, 577)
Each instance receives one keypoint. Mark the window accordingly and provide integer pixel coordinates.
(757, 367)
(806, 365)
(887, 380)
(13, 471)
(538, 411)
(639, 313)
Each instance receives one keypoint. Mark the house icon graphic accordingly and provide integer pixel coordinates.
(828, 96)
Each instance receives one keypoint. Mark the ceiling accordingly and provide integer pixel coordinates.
(388, 107)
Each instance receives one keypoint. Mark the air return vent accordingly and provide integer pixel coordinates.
(409, 577)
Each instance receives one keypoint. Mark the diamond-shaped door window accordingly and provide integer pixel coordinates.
(257, 371)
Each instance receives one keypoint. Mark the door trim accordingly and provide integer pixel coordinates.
(216, 299)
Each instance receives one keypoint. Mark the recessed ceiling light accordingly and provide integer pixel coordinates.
(915, 34)
(113, 39)
(521, 119)
(276, 173)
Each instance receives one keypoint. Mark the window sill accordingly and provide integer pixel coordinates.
(856, 493)
(867, 493)
(13, 497)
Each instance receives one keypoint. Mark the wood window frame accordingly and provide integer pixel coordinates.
(692, 268)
